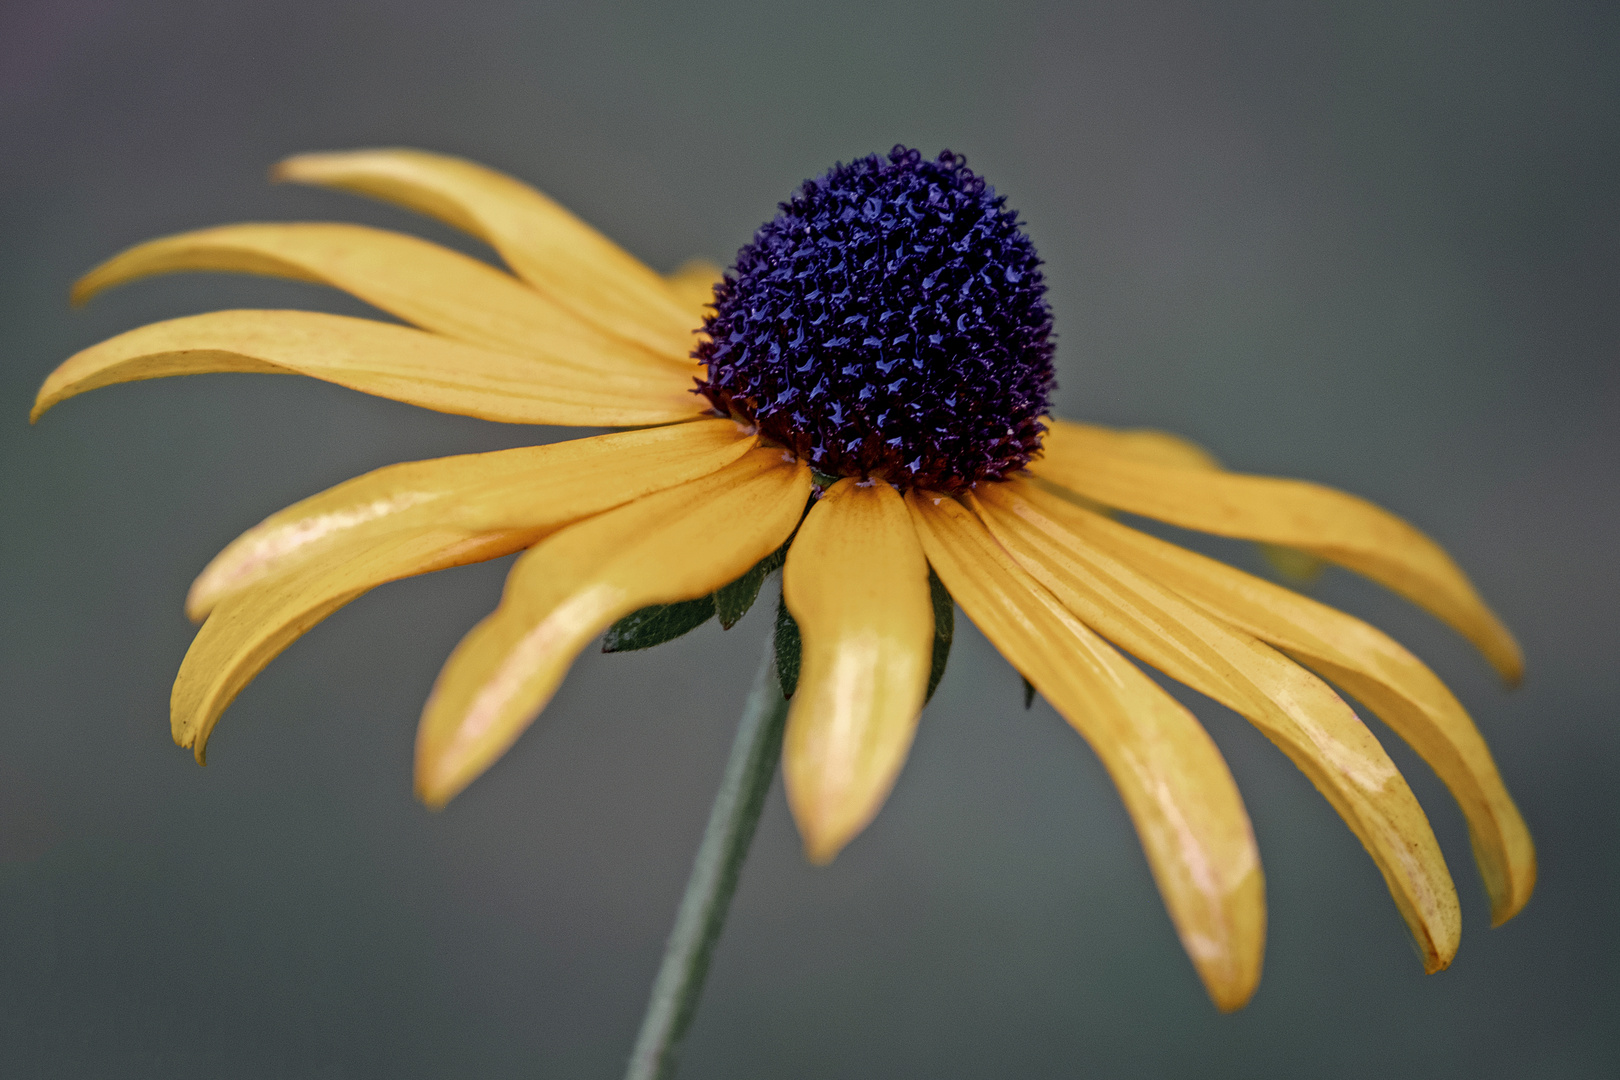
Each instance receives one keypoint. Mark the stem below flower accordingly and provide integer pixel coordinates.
(732, 819)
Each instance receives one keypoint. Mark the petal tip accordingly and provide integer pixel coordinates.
(821, 851)
(198, 607)
(295, 169)
(1507, 906)
(1229, 998)
(431, 795)
(1438, 952)
(439, 778)
(1512, 672)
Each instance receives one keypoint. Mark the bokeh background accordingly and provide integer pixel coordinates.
(1374, 244)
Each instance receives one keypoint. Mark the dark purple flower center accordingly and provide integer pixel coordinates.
(891, 320)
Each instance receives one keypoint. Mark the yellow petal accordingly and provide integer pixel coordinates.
(1294, 708)
(532, 487)
(1164, 448)
(1172, 778)
(375, 358)
(248, 630)
(678, 544)
(693, 285)
(1330, 524)
(1366, 663)
(1148, 444)
(430, 286)
(546, 245)
(857, 583)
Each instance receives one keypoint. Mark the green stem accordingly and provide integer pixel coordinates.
(732, 820)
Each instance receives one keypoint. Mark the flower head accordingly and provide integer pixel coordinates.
(890, 321)
(889, 331)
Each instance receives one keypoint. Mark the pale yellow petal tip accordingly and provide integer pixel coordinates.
(1435, 963)
(822, 850)
(1506, 907)
(199, 604)
(431, 787)
(823, 836)
(86, 287)
(1437, 952)
(1230, 972)
(828, 834)
(303, 168)
(186, 737)
(438, 779)
(432, 798)
(1230, 997)
(1509, 663)
(208, 589)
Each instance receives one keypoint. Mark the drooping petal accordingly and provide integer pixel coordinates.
(1172, 778)
(1330, 524)
(1149, 444)
(250, 628)
(546, 245)
(531, 487)
(1362, 660)
(1165, 448)
(1295, 709)
(375, 358)
(423, 283)
(856, 581)
(693, 285)
(677, 544)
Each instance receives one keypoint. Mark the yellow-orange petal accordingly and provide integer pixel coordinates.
(1362, 660)
(856, 582)
(1166, 448)
(676, 544)
(423, 283)
(543, 243)
(1295, 709)
(251, 628)
(1173, 780)
(529, 488)
(1330, 524)
(375, 358)
(1148, 444)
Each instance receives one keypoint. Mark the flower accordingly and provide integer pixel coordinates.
(881, 351)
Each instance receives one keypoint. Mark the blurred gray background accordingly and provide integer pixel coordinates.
(1374, 244)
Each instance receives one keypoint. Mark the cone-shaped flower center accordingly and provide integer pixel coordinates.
(891, 320)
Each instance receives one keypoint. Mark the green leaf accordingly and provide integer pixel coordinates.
(787, 649)
(1029, 694)
(944, 629)
(657, 624)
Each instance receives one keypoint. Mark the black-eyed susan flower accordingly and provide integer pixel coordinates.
(882, 350)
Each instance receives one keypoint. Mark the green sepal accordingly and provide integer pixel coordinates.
(944, 629)
(657, 624)
(731, 602)
(823, 480)
(1029, 694)
(787, 649)
(777, 559)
